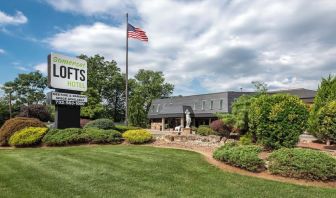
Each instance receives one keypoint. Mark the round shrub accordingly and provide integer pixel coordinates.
(220, 128)
(204, 130)
(100, 136)
(302, 163)
(38, 111)
(15, 124)
(246, 139)
(101, 124)
(137, 136)
(326, 122)
(60, 137)
(27, 137)
(277, 120)
(241, 156)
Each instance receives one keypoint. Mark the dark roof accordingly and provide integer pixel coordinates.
(301, 92)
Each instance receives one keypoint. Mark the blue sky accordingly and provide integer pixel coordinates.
(201, 46)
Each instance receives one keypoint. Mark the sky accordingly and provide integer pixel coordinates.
(200, 46)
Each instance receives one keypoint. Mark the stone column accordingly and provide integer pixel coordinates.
(163, 124)
(182, 122)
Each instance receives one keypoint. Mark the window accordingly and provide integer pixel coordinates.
(221, 104)
(194, 106)
(153, 108)
(203, 104)
(158, 108)
(211, 104)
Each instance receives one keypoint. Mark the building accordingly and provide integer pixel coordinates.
(167, 113)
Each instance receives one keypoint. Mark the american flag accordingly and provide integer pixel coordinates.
(136, 33)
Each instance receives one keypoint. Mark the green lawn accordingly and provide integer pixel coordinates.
(129, 171)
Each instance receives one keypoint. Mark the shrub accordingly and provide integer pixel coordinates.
(246, 139)
(137, 136)
(59, 137)
(98, 136)
(220, 128)
(27, 137)
(326, 122)
(101, 124)
(241, 156)
(15, 124)
(277, 120)
(123, 128)
(38, 111)
(204, 130)
(326, 92)
(302, 163)
(84, 121)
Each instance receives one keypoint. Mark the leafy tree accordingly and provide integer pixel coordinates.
(148, 85)
(326, 122)
(326, 92)
(4, 111)
(94, 108)
(27, 88)
(106, 78)
(277, 120)
(260, 87)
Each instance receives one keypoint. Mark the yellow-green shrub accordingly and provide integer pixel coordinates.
(137, 136)
(28, 136)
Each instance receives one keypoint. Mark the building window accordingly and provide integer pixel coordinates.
(203, 104)
(221, 104)
(194, 106)
(153, 108)
(158, 108)
(211, 104)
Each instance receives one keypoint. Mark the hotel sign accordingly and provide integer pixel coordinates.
(67, 73)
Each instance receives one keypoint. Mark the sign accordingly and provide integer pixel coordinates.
(67, 73)
(59, 98)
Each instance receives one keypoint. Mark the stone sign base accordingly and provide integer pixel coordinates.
(186, 131)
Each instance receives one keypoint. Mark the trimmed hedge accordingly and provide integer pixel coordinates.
(123, 128)
(99, 136)
(204, 130)
(245, 157)
(277, 120)
(139, 136)
(60, 137)
(101, 124)
(27, 137)
(303, 163)
(15, 124)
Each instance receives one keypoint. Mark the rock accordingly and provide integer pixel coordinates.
(180, 138)
(169, 138)
(214, 138)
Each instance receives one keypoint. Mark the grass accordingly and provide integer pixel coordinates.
(129, 171)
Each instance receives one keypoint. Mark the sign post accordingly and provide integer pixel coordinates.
(68, 76)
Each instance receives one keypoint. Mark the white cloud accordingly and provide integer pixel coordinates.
(18, 18)
(22, 68)
(2, 51)
(214, 45)
(42, 67)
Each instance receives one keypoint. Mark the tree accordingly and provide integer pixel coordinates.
(94, 108)
(4, 112)
(106, 78)
(326, 92)
(148, 85)
(260, 87)
(27, 88)
(326, 122)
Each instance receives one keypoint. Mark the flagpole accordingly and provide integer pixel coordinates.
(126, 80)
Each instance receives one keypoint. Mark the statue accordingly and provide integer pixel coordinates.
(188, 119)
